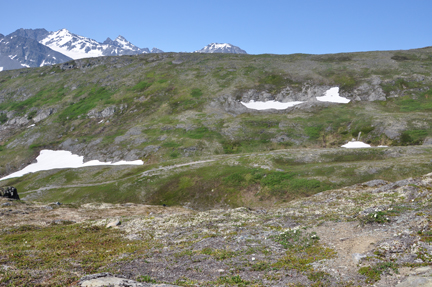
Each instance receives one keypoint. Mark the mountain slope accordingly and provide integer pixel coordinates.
(221, 48)
(122, 43)
(27, 52)
(35, 34)
(176, 108)
(78, 47)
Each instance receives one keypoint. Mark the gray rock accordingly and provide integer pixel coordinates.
(367, 92)
(375, 182)
(20, 121)
(395, 185)
(151, 149)
(107, 279)
(357, 257)
(416, 281)
(427, 141)
(43, 114)
(107, 112)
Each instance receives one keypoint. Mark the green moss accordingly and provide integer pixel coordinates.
(141, 86)
(313, 132)
(85, 104)
(303, 248)
(60, 249)
(373, 273)
(412, 137)
(196, 93)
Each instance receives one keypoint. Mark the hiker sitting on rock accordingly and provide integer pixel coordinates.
(9, 192)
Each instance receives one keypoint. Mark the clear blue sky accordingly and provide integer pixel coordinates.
(272, 26)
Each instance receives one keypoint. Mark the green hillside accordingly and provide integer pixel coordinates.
(176, 108)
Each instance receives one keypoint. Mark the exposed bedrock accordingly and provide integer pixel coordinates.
(230, 103)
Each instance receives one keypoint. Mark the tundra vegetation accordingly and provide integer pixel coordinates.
(222, 183)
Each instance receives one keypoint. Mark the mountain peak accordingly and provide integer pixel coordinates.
(221, 48)
(120, 38)
(108, 41)
(64, 30)
(156, 50)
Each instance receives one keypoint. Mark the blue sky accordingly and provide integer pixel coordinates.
(272, 26)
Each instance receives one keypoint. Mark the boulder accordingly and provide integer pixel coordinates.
(108, 279)
(9, 192)
(427, 141)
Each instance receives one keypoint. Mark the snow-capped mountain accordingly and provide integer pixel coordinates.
(18, 52)
(39, 47)
(78, 47)
(75, 46)
(122, 43)
(156, 50)
(221, 48)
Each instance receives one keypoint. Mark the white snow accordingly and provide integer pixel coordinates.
(125, 44)
(73, 46)
(53, 159)
(332, 95)
(382, 146)
(356, 144)
(269, 105)
(219, 46)
(30, 126)
(214, 48)
(1, 69)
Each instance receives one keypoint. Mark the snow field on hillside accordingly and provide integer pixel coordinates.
(331, 95)
(269, 105)
(54, 159)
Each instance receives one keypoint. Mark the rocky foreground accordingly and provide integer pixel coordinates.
(376, 233)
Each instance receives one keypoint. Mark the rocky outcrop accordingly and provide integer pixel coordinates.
(107, 279)
(105, 113)
(368, 91)
(43, 114)
(427, 141)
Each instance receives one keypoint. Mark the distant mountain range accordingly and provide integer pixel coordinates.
(39, 47)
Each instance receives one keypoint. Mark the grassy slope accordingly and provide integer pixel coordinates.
(168, 104)
(230, 180)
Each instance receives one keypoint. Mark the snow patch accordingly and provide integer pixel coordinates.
(356, 144)
(269, 105)
(332, 95)
(54, 159)
(1, 69)
(73, 46)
